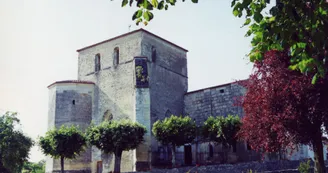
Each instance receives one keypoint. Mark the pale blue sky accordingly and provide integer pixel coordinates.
(39, 39)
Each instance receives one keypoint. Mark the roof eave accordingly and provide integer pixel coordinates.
(129, 33)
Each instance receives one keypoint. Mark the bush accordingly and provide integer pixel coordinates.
(304, 167)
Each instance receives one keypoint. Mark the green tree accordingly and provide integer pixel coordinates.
(63, 143)
(221, 130)
(299, 26)
(296, 25)
(175, 131)
(14, 145)
(30, 167)
(116, 137)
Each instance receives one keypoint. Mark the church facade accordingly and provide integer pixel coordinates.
(142, 77)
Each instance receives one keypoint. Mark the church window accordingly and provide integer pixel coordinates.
(153, 54)
(248, 146)
(234, 147)
(210, 148)
(168, 113)
(116, 58)
(97, 62)
(73, 102)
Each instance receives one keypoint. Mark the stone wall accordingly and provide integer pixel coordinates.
(142, 112)
(114, 87)
(71, 104)
(263, 167)
(168, 81)
(115, 92)
(215, 101)
(51, 122)
(218, 101)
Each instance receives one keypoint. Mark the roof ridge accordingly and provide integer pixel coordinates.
(128, 33)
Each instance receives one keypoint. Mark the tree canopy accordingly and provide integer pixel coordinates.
(116, 137)
(67, 142)
(14, 145)
(221, 130)
(282, 107)
(175, 131)
(299, 26)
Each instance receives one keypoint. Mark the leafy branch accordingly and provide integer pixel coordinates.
(144, 14)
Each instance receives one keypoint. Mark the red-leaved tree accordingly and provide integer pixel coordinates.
(283, 109)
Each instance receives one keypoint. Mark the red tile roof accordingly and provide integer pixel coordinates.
(72, 81)
(129, 33)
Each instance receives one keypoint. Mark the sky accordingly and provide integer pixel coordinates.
(39, 39)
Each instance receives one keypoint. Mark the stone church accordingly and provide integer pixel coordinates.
(142, 77)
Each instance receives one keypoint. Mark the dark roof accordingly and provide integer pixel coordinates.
(71, 81)
(217, 86)
(129, 33)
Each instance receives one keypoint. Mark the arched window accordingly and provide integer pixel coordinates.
(168, 113)
(97, 62)
(116, 58)
(153, 54)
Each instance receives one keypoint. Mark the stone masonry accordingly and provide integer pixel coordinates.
(216, 101)
(70, 104)
(138, 76)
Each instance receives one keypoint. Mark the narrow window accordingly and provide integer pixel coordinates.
(248, 147)
(210, 148)
(97, 62)
(234, 147)
(73, 102)
(116, 59)
(153, 54)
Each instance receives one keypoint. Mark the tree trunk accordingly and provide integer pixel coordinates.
(173, 156)
(117, 164)
(2, 168)
(62, 164)
(319, 164)
(197, 152)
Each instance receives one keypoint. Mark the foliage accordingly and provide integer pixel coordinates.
(282, 107)
(298, 26)
(251, 171)
(111, 136)
(175, 131)
(30, 167)
(14, 145)
(221, 129)
(64, 143)
(144, 14)
(304, 167)
(116, 137)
